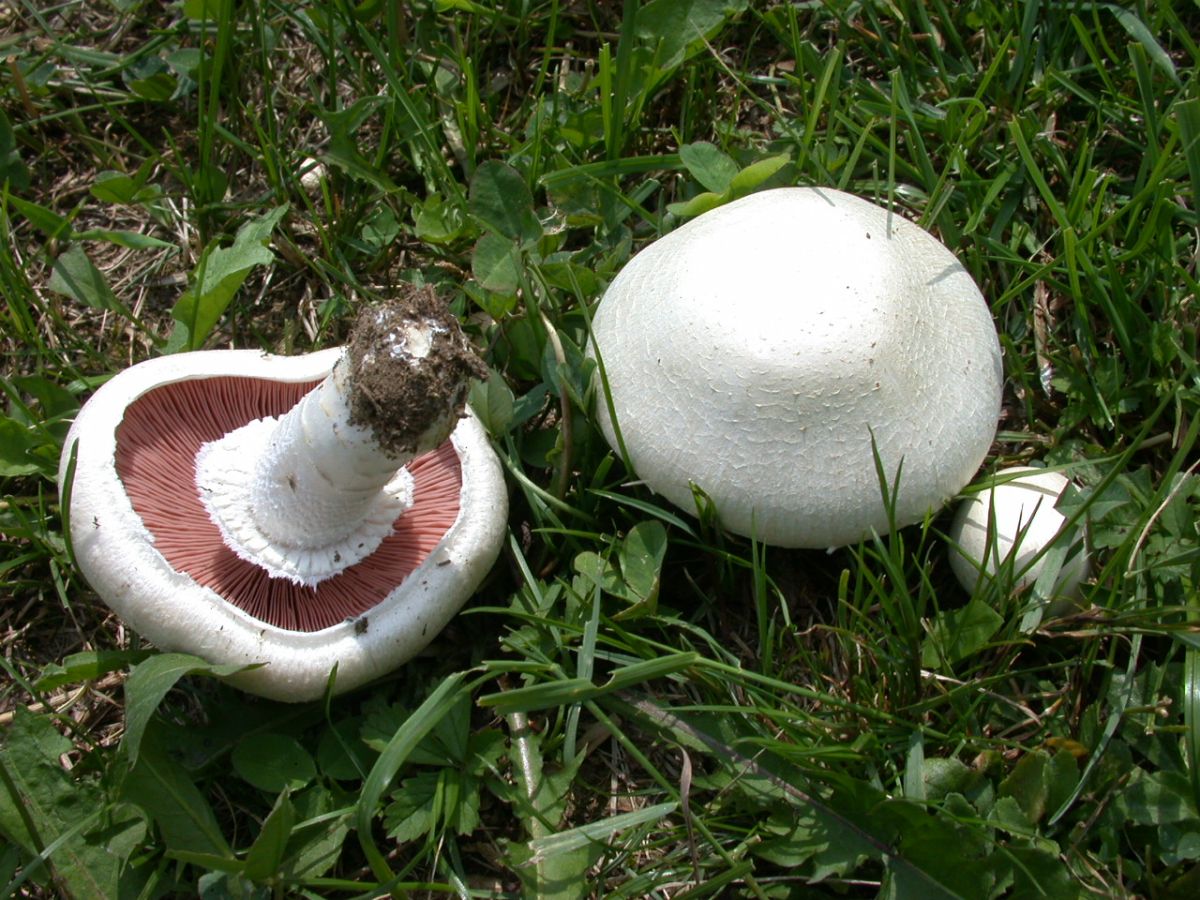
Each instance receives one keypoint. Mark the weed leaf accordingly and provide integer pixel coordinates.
(160, 786)
(218, 277)
(88, 665)
(755, 174)
(708, 165)
(671, 28)
(76, 277)
(317, 838)
(45, 809)
(500, 199)
(959, 633)
(642, 555)
(492, 401)
(495, 264)
(265, 855)
(45, 220)
(149, 682)
(273, 762)
(18, 441)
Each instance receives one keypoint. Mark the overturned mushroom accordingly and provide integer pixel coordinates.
(302, 512)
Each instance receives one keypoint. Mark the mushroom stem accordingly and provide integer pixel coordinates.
(313, 492)
(320, 474)
(307, 494)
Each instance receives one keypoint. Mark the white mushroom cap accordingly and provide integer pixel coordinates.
(126, 561)
(1025, 520)
(755, 350)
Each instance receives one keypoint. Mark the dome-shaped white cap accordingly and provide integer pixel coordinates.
(755, 351)
(1010, 523)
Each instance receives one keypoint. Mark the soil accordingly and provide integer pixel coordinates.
(411, 367)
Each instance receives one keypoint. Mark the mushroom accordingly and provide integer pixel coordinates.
(1009, 523)
(336, 508)
(770, 351)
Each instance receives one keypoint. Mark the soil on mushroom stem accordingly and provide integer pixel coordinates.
(399, 392)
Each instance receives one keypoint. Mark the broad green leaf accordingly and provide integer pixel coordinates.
(114, 187)
(159, 785)
(578, 280)
(959, 633)
(411, 813)
(76, 277)
(495, 263)
(122, 188)
(447, 798)
(598, 570)
(934, 857)
(150, 78)
(87, 665)
(17, 443)
(437, 221)
(42, 806)
(343, 149)
(149, 682)
(942, 776)
(708, 165)
(492, 402)
(1036, 874)
(1156, 798)
(751, 177)
(317, 837)
(697, 205)
(381, 723)
(1062, 777)
(45, 220)
(273, 762)
(217, 279)
(265, 855)
(381, 229)
(500, 199)
(30, 758)
(642, 554)
(672, 28)
(341, 753)
(834, 848)
(134, 240)
(1028, 785)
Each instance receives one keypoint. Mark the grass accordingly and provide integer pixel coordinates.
(636, 704)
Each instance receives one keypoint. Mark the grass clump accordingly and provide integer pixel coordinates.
(636, 704)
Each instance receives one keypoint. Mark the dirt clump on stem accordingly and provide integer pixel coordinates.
(410, 370)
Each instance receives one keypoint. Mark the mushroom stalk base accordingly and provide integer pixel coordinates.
(308, 494)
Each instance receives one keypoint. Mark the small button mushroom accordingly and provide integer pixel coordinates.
(766, 351)
(302, 512)
(1007, 524)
